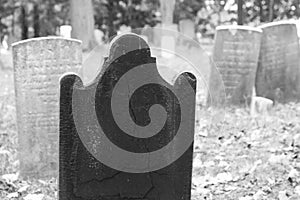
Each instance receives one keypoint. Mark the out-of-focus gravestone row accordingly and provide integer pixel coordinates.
(38, 65)
(266, 57)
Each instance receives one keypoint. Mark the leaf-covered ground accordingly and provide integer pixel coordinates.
(244, 158)
(239, 158)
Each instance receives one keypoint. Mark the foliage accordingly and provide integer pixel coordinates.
(6, 7)
(111, 14)
(187, 9)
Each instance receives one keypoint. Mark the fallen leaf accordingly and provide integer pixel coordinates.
(224, 177)
(23, 189)
(293, 173)
(197, 163)
(12, 195)
(297, 190)
(258, 195)
(296, 140)
(246, 198)
(10, 177)
(4, 152)
(277, 159)
(209, 163)
(34, 197)
(282, 195)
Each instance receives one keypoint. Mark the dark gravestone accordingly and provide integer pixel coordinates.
(147, 157)
(236, 53)
(278, 69)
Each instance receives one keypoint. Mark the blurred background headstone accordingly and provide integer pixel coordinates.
(38, 65)
(235, 54)
(278, 72)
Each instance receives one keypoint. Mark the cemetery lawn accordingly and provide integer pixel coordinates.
(238, 159)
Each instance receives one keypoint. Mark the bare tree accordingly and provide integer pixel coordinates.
(271, 10)
(240, 12)
(82, 21)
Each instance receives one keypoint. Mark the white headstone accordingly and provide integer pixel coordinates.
(65, 31)
(279, 61)
(168, 46)
(187, 28)
(38, 65)
(124, 29)
(99, 36)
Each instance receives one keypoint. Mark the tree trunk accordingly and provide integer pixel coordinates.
(24, 23)
(82, 21)
(261, 12)
(240, 12)
(167, 11)
(271, 10)
(36, 20)
(110, 23)
(297, 8)
(13, 20)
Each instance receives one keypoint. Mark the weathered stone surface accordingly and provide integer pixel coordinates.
(87, 124)
(148, 32)
(187, 28)
(236, 52)
(277, 75)
(169, 34)
(38, 65)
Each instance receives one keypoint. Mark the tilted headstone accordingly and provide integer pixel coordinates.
(38, 65)
(278, 69)
(168, 44)
(157, 33)
(129, 134)
(187, 28)
(92, 63)
(235, 54)
(124, 29)
(148, 32)
(169, 34)
(99, 36)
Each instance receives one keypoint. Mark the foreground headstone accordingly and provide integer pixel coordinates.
(107, 146)
(278, 68)
(236, 53)
(38, 65)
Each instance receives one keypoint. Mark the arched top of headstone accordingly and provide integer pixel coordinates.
(236, 27)
(27, 41)
(125, 43)
(129, 45)
(278, 23)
